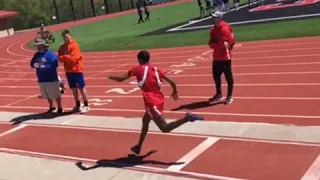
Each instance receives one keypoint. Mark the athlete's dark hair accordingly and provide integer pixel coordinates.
(144, 56)
(66, 31)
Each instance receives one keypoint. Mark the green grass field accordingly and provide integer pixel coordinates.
(122, 32)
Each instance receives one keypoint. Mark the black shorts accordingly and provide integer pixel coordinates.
(219, 67)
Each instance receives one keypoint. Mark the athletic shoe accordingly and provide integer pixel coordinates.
(215, 98)
(61, 90)
(60, 110)
(84, 109)
(193, 117)
(136, 149)
(76, 109)
(50, 110)
(229, 100)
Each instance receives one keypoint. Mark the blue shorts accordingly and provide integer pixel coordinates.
(76, 80)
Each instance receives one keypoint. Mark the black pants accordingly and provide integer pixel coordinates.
(219, 67)
(147, 16)
(140, 17)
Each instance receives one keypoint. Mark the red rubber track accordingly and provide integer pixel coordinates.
(275, 82)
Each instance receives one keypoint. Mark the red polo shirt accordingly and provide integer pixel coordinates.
(218, 35)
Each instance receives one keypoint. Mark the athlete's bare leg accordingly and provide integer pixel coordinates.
(145, 127)
(163, 126)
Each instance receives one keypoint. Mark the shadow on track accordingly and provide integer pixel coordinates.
(130, 161)
(197, 105)
(38, 116)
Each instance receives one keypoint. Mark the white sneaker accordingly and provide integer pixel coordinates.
(84, 109)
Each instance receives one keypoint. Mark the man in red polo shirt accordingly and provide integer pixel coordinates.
(221, 41)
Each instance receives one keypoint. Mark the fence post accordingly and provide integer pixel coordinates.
(72, 8)
(92, 6)
(120, 5)
(106, 6)
(56, 9)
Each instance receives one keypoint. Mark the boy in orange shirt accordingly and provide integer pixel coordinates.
(70, 55)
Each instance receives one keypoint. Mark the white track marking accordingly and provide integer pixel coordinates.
(122, 91)
(21, 100)
(252, 21)
(119, 66)
(193, 154)
(14, 54)
(181, 27)
(313, 172)
(13, 130)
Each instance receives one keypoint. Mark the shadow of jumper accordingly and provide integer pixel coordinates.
(130, 161)
(196, 105)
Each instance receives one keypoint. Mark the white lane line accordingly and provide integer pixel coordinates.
(313, 172)
(13, 130)
(194, 153)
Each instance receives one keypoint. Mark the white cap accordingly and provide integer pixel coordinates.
(40, 42)
(217, 14)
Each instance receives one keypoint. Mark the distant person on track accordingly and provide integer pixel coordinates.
(201, 8)
(218, 5)
(150, 80)
(226, 6)
(140, 13)
(208, 7)
(46, 63)
(236, 4)
(221, 41)
(146, 10)
(70, 55)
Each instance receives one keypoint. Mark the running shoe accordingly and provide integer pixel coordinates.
(229, 100)
(193, 117)
(215, 98)
(84, 109)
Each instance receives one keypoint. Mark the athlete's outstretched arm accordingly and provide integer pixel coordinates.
(173, 85)
(120, 78)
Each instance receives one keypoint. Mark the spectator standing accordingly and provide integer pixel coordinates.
(221, 41)
(46, 63)
(70, 55)
(146, 10)
(201, 8)
(140, 13)
(226, 6)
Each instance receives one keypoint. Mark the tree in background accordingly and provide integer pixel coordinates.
(32, 12)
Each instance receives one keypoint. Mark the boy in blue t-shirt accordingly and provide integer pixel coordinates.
(46, 63)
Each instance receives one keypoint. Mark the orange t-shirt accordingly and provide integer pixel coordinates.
(70, 55)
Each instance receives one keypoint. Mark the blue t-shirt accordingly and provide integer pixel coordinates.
(50, 61)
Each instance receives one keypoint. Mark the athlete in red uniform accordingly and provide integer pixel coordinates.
(149, 80)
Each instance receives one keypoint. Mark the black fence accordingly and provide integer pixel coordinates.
(50, 12)
(68, 10)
